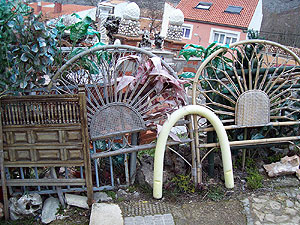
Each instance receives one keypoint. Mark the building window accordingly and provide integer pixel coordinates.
(204, 5)
(224, 37)
(187, 31)
(234, 9)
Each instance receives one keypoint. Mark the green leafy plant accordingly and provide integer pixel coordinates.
(150, 152)
(27, 48)
(111, 194)
(60, 210)
(254, 34)
(215, 193)
(254, 178)
(191, 50)
(77, 32)
(131, 189)
(183, 183)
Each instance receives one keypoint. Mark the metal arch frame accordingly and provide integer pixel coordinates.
(107, 47)
(208, 59)
(133, 150)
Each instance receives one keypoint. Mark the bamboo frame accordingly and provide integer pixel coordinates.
(231, 127)
(270, 67)
(3, 176)
(253, 142)
(86, 146)
(45, 131)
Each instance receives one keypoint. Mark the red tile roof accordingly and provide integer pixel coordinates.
(67, 9)
(216, 12)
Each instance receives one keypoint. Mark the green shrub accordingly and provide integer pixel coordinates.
(254, 178)
(215, 193)
(30, 50)
(183, 183)
(27, 47)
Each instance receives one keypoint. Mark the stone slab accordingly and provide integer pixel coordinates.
(101, 197)
(50, 207)
(106, 214)
(165, 219)
(77, 200)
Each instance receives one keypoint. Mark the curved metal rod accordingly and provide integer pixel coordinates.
(163, 136)
(105, 48)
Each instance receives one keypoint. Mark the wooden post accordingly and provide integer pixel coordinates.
(3, 178)
(244, 150)
(86, 144)
(193, 149)
(211, 155)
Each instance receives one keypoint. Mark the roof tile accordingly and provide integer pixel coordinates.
(67, 9)
(216, 12)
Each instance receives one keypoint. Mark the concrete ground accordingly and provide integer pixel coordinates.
(279, 203)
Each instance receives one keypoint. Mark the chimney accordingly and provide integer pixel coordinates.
(39, 6)
(57, 7)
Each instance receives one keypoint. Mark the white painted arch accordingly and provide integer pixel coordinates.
(163, 136)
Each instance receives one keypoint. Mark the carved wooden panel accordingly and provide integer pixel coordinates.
(46, 131)
(55, 145)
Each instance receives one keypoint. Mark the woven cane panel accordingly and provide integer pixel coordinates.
(252, 108)
(114, 119)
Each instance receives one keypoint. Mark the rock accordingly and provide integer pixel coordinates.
(106, 214)
(259, 200)
(289, 203)
(298, 173)
(50, 207)
(102, 197)
(122, 192)
(26, 205)
(257, 206)
(270, 218)
(136, 194)
(1, 210)
(282, 218)
(296, 219)
(77, 200)
(259, 215)
(285, 182)
(275, 205)
(291, 211)
(287, 165)
(145, 174)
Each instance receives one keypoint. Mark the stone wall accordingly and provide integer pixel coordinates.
(130, 28)
(174, 32)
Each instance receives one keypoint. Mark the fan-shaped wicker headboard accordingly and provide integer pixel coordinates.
(252, 108)
(115, 119)
(250, 83)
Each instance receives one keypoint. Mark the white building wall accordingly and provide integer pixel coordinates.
(256, 20)
(90, 12)
(168, 11)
